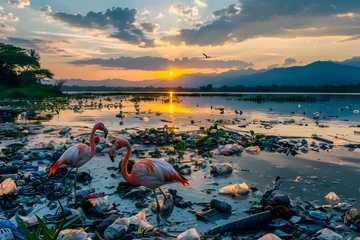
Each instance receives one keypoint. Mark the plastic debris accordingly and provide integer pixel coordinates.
(140, 221)
(223, 168)
(221, 206)
(255, 150)
(73, 234)
(236, 189)
(270, 236)
(190, 234)
(118, 229)
(8, 187)
(327, 234)
(332, 197)
(101, 204)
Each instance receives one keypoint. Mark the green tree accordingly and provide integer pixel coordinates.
(20, 67)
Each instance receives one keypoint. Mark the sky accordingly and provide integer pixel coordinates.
(151, 39)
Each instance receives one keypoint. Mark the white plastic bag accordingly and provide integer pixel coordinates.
(327, 234)
(270, 236)
(8, 187)
(101, 204)
(73, 234)
(236, 189)
(140, 221)
(190, 234)
(332, 197)
(118, 229)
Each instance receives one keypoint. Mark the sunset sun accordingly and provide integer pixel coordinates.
(171, 73)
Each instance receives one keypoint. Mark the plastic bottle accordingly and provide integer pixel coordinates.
(82, 192)
(94, 195)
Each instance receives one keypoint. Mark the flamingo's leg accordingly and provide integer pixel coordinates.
(163, 193)
(75, 185)
(157, 208)
(66, 175)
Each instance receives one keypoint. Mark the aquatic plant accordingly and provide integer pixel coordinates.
(43, 232)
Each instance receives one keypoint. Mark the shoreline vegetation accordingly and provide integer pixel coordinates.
(21, 75)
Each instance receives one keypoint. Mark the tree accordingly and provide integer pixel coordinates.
(20, 67)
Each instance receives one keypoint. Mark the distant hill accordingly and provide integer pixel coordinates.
(355, 61)
(314, 74)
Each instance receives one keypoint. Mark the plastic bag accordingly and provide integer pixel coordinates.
(140, 221)
(101, 204)
(118, 229)
(190, 234)
(73, 234)
(327, 234)
(223, 168)
(270, 236)
(9, 225)
(8, 187)
(236, 189)
(332, 197)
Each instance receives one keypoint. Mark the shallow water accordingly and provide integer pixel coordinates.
(334, 171)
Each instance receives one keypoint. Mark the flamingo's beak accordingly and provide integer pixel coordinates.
(105, 132)
(112, 153)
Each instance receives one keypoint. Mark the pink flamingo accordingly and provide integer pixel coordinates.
(79, 154)
(150, 173)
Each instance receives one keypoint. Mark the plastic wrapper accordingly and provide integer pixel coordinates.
(140, 221)
(236, 189)
(73, 234)
(8, 187)
(190, 234)
(270, 236)
(118, 229)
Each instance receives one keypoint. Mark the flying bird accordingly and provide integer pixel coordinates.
(79, 154)
(206, 56)
(150, 173)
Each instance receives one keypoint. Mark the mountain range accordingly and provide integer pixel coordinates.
(316, 74)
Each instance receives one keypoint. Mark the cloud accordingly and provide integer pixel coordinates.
(350, 39)
(187, 12)
(200, 3)
(226, 12)
(289, 61)
(278, 18)
(6, 28)
(45, 9)
(7, 17)
(19, 3)
(41, 45)
(159, 16)
(144, 14)
(159, 63)
(149, 27)
(122, 19)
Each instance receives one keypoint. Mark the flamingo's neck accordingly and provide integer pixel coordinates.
(124, 164)
(92, 142)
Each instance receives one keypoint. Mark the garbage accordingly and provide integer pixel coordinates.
(331, 197)
(352, 216)
(236, 189)
(140, 221)
(100, 204)
(5, 224)
(224, 168)
(270, 236)
(251, 223)
(118, 229)
(255, 150)
(73, 234)
(190, 234)
(221, 206)
(8, 187)
(327, 234)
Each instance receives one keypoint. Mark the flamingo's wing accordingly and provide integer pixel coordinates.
(155, 172)
(76, 155)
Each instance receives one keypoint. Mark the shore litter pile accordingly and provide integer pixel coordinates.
(34, 206)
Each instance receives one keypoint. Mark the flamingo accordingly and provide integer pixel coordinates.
(150, 173)
(79, 154)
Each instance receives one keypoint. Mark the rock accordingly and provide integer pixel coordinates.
(118, 229)
(26, 157)
(282, 200)
(255, 150)
(278, 223)
(185, 171)
(42, 155)
(221, 206)
(295, 219)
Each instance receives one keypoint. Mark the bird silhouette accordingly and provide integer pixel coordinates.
(206, 56)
